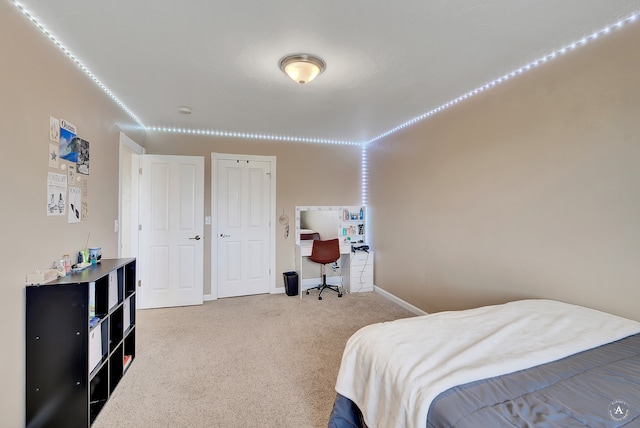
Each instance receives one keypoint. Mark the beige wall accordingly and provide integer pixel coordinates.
(37, 81)
(306, 174)
(528, 190)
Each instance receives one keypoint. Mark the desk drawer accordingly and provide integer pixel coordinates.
(361, 258)
(359, 284)
(362, 270)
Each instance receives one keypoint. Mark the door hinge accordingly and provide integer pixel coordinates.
(139, 283)
(140, 227)
(140, 171)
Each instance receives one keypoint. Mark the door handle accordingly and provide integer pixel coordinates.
(197, 237)
(223, 235)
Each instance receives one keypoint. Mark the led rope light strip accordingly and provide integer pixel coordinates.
(364, 175)
(364, 192)
(77, 62)
(430, 113)
(249, 135)
(364, 172)
(583, 41)
(512, 74)
(168, 129)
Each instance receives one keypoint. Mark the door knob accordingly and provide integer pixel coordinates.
(223, 235)
(197, 237)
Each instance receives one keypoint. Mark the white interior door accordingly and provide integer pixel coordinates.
(171, 245)
(243, 210)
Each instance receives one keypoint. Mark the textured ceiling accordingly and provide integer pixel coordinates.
(387, 62)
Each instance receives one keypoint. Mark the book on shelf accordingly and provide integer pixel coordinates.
(126, 361)
(93, 321)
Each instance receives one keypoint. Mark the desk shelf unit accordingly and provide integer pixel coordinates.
(73, 365)
(352, 225)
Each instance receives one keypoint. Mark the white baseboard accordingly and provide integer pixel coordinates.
(209, 297)
(399, 301)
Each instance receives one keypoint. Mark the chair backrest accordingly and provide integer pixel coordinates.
(325, 251)
(309, 236)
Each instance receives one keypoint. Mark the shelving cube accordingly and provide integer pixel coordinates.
(71, 367)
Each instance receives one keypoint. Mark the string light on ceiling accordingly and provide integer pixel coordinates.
(249, 135)
(314, 66)
(512, 74)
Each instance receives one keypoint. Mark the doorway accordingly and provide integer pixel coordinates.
(129, 174)
(243, 230)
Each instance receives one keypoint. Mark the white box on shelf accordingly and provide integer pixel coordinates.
(95, 347)
(92, 299)
(113, 289)
(41, 276)
(126, 317)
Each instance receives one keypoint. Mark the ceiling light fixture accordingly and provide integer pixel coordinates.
(185, 110)
(302, 68)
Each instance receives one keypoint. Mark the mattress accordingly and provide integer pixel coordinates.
(391, 374)
(595, 388)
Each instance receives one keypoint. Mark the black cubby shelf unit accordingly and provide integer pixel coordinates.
(80, 341)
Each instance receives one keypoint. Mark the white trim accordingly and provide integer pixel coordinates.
(272, 219)
(124, 141)
(399, 301)
(210, 298)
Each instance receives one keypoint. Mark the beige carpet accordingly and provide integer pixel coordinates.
(257, 361)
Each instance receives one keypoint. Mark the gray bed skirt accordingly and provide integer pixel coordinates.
(595, 388)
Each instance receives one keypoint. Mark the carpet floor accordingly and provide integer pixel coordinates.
(255, 361)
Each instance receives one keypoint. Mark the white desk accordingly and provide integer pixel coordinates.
(304, 250)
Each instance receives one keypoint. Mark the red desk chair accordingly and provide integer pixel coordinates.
(325, 252)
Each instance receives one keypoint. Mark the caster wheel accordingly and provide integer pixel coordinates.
(340, 295)
(319, 297)
(307, 292)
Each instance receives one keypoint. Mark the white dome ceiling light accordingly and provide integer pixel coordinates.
(302, 68)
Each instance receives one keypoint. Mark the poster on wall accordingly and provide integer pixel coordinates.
(84, 213)
(54, 129)
(75, 200)
(56, 194)
(68, 141)
(71, 172)
(83, 156)
(53, 155)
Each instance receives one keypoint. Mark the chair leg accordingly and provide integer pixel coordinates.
(324, 286)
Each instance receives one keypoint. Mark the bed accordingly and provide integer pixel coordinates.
(535, 363)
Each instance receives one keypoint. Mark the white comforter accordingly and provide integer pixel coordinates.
(393, 371)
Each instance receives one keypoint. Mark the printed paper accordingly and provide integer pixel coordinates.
(56, 194)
